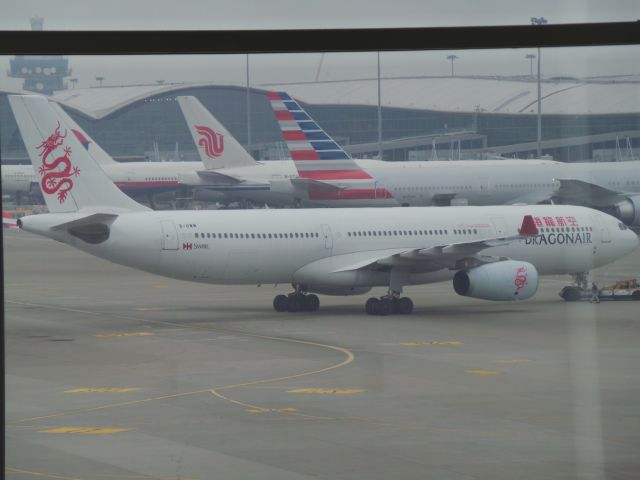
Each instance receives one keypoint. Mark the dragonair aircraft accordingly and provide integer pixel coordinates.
(493, 253)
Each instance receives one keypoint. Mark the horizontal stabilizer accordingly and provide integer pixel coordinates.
(315, 185)
(215, 177)
(96, 218)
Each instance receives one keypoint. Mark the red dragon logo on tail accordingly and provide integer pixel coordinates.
(54, 179)
(212, 142)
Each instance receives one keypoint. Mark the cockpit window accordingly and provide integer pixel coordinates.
(622, 226)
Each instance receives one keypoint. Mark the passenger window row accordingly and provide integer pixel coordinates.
(565, 229)
(396, 233)
(258, 235)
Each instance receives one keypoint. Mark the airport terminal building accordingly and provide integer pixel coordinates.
(422, 118)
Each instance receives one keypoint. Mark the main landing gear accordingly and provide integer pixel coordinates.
(392, 302)
(297, 301)
(389, 305)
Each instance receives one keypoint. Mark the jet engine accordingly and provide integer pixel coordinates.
(506, 280)
(628, 211)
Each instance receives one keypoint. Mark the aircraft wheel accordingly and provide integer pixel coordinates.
(311, 303)
(372, 306)
(280, 303)
(386, 307)
(405, 306)
(295, 303)
(570, 294)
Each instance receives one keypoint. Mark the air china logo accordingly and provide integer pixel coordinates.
(54, 179)
(211, 141)
(522, 278)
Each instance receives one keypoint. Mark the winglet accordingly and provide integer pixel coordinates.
(528, 227)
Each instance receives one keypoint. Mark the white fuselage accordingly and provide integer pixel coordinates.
(273, 246)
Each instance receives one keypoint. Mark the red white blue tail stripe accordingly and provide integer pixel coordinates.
(318, 157)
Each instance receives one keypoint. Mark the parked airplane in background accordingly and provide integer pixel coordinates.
(493, 253)
(8, 221)
(611, 187)
(142, 180)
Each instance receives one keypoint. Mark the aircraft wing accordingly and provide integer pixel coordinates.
(584, 193)
(452, 255)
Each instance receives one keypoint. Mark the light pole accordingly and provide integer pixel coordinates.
(539, 21)
(100, 79)
(452, 58)
(73, 82)
(248, 106)
(530, 57)
(379, 113)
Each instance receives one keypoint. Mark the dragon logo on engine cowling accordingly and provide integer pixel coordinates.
(521, 279)
(54, 179)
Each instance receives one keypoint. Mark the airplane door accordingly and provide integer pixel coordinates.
(605, 235)
(500, 226)
(169, 235)
(328, 238)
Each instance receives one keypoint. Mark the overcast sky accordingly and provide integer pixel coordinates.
(251, 14)
(239, 14)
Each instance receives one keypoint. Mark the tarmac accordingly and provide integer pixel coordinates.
(113, 373)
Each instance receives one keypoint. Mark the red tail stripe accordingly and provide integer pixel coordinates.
(350, 194)
(273, 96)
(335, 175)
(294, 135)
(304, 155)
(283, 115)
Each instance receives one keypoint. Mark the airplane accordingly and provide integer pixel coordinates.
(332, 175)
(493, 253)
(8, 221)
(140, 180)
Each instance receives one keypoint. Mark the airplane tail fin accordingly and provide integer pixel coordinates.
(95, 150)
(70, 178)
(216, 146)
(318, 157)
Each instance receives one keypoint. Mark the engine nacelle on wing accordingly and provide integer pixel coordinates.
(628, 211)
(507, 280)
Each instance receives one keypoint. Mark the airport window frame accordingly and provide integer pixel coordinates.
(307, 41)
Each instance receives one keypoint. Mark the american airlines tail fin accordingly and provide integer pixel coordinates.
(216, 146)
(318, 158)
(69, 177)
(95, 150)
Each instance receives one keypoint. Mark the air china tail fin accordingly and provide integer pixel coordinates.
(216, 146)
(318, 157)
(69, 177)
(96, 151)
